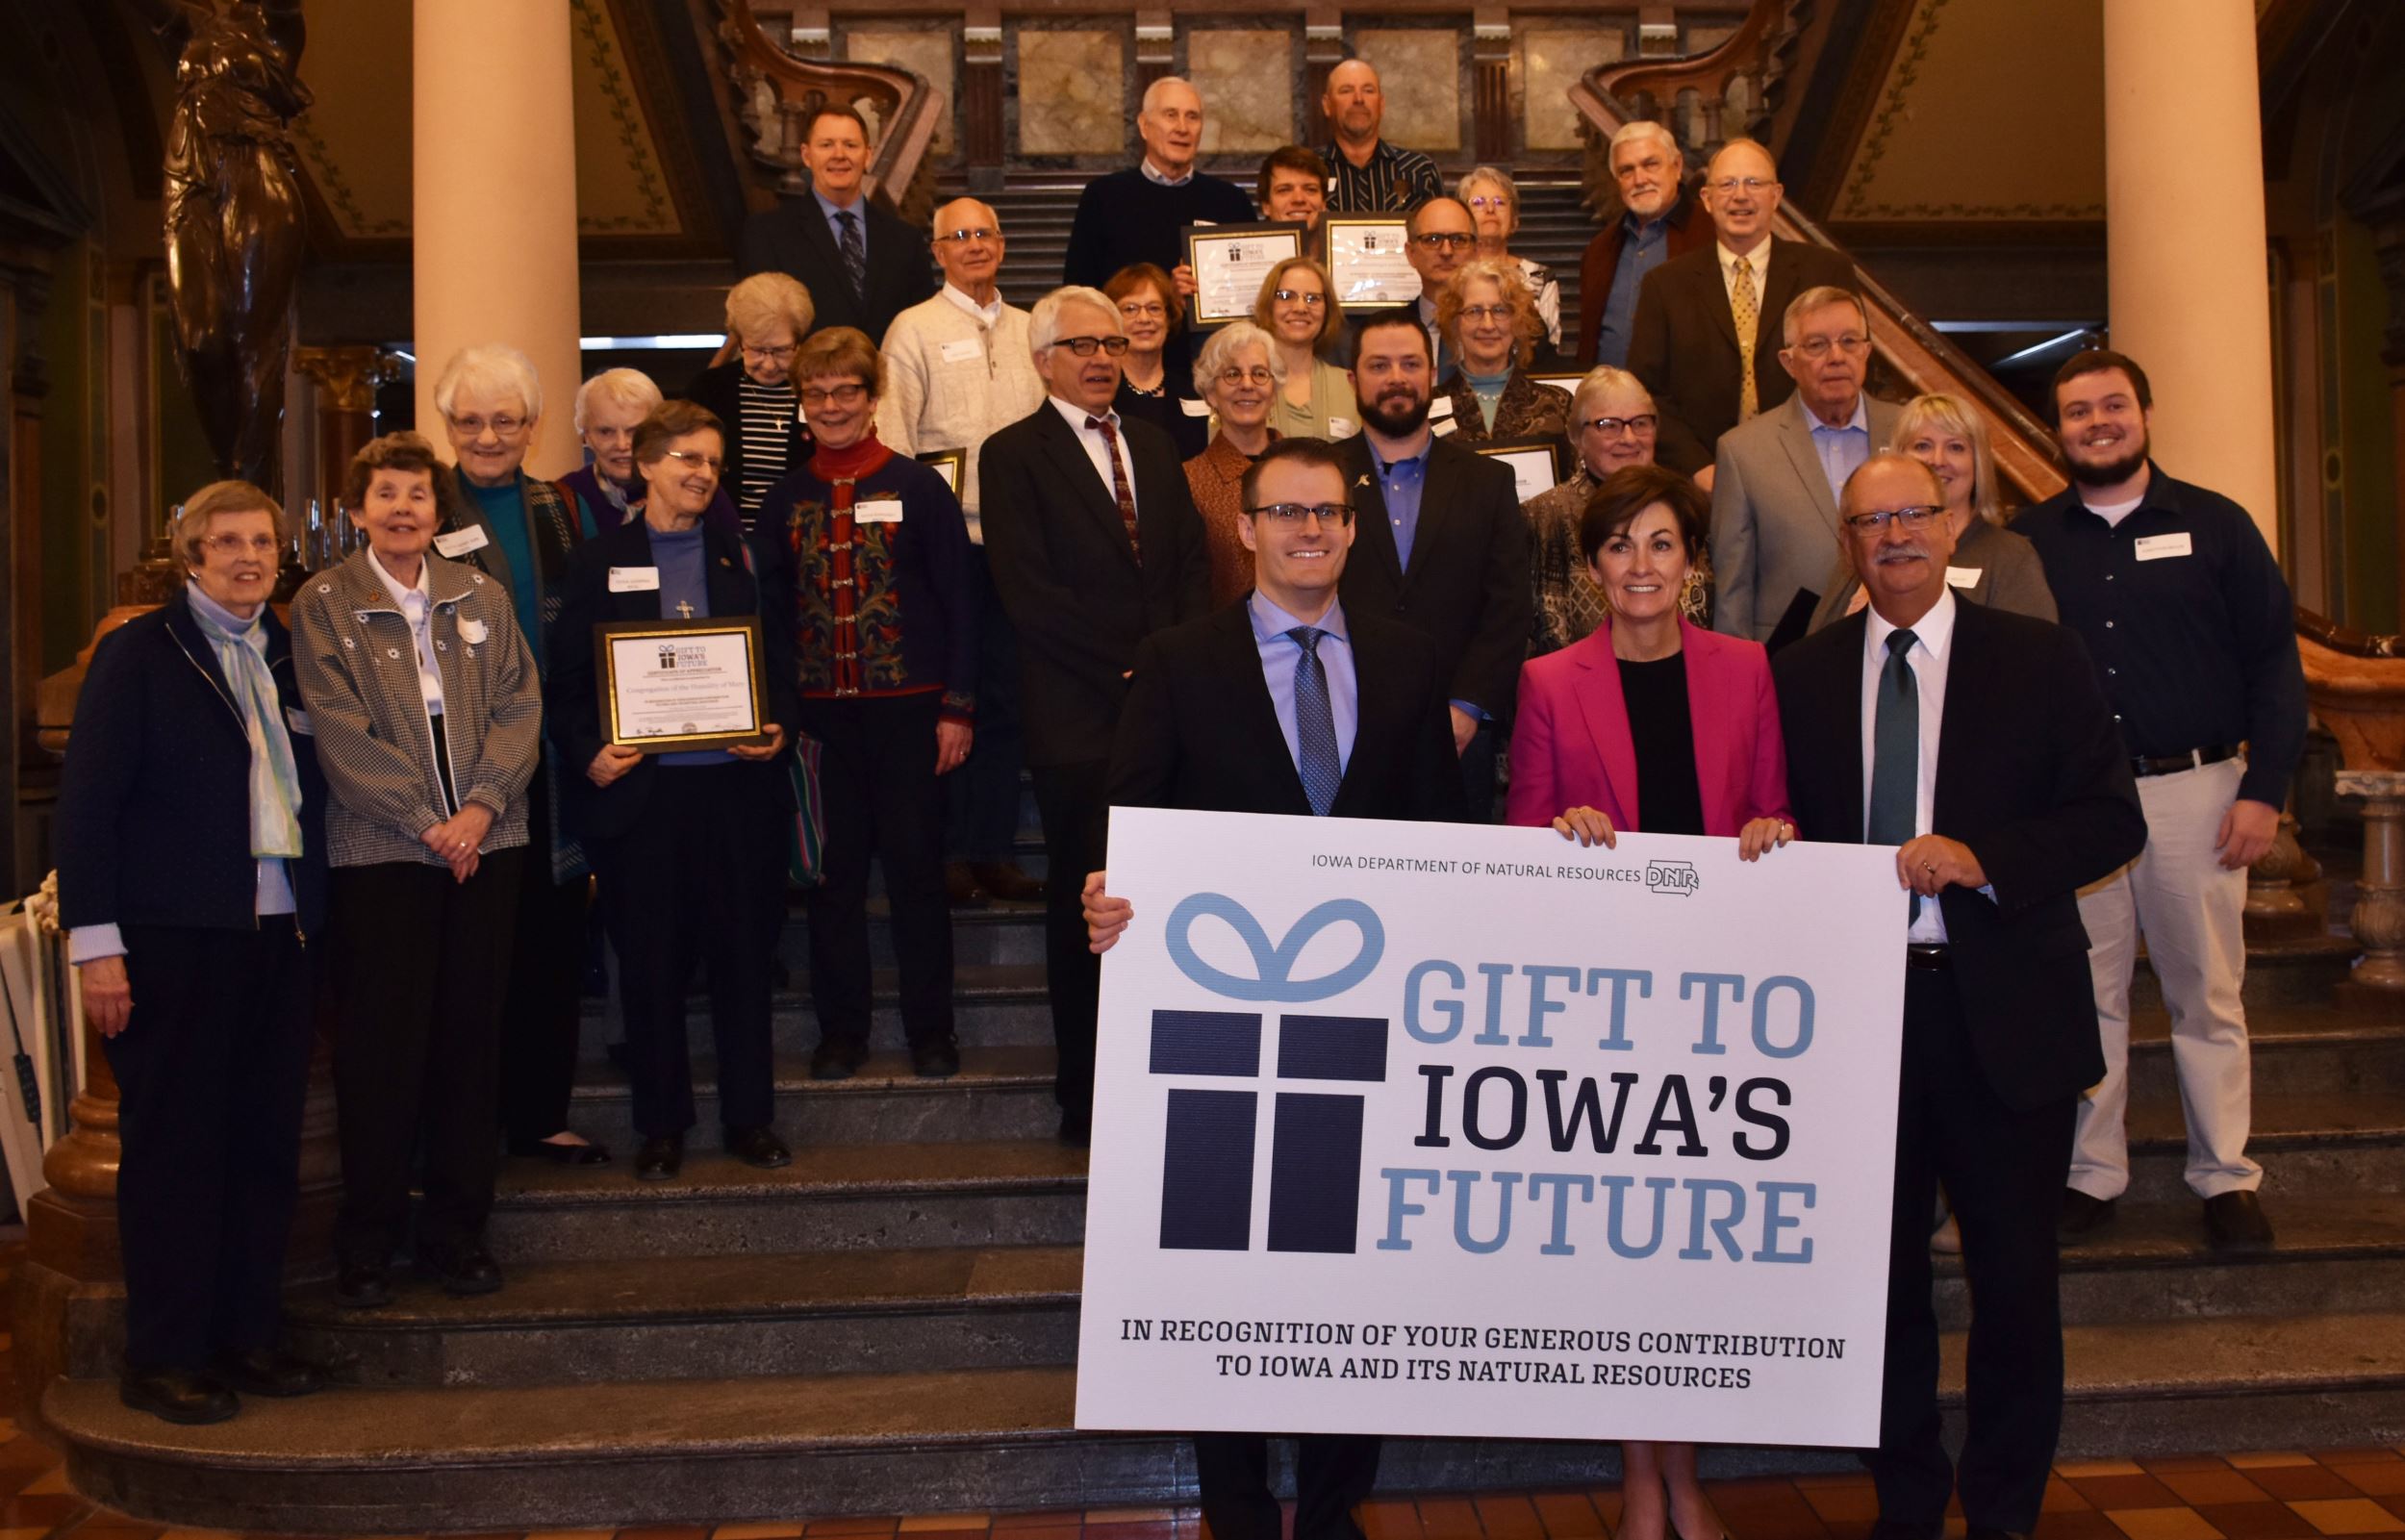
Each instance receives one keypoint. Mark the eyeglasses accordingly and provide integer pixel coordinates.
(1132, 309)
(848, 394)
(1871, 524)
(1492, 203)
(1819, 346)
(1613, 427)
(694, 460)
(502, 427)
(1731, 186)
(1259, 375)
(1295, 296)
(1294, 513)
(1437, 240)
(773, 354)
(236, 544)
(1084, 346)
(963, 237)
(1487, 313)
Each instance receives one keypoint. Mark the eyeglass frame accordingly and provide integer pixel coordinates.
(1873, 522)
(1087, 346)
(965, 235)
(715, 463)
(1292, 514)
(1820, 347)
(1615, 427)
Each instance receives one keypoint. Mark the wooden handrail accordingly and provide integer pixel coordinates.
(2346, 639)
(1708, 72)
(906, 106)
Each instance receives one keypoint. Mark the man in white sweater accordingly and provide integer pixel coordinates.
(957, 366)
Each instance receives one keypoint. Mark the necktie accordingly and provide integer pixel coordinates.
(1895, 752)
(1746, 308)
(856, 253)
(1314, 722)
(1119, 489)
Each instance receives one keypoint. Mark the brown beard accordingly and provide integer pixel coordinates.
(2113, 473)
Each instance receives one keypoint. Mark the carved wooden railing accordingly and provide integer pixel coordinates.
(1697, 98)
(2356, 685)
(776, 91)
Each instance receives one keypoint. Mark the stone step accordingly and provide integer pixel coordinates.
(2296, 1050)
(999, 1093)
(833, 1198)
(356, 1460)
(2324, 1142)
(994, 1005)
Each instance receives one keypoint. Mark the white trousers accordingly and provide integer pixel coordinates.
(2191, 912)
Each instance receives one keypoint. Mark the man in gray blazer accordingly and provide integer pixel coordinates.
(1776, 478)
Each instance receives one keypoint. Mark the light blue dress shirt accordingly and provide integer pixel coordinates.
(859, 211)
(1842, 450)
(1279, 652)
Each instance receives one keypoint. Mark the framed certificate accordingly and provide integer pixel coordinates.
(1230, 260)
(680, 684)
(948, 464)
(1368, 263)
(1561, 379)
(1535, 462)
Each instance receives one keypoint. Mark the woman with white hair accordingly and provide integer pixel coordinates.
(1240, 374)
(521, 532)
(605, 489)
(1494, 203)
(750, 388)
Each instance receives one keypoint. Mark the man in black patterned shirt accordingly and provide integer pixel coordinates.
(1371, 176)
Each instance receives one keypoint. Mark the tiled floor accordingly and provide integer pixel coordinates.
(2265, 1496)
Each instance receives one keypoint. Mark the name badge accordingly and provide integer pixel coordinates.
(460, 541)
(634, 579)
(1440, 409)
(1964, 576)
(877, 511)
(1442, 429)
(2155, 547)
(297, 720)
(961, 351)
(1194, 409)
(1342, 427)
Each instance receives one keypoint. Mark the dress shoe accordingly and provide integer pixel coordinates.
(660, 1159)
(2235, 1222)
(269, 1372)
(1077, 1129)
(360, 1285)
(178, 1396)
(467, 1268)
(560, 1154)
(960, 886)
(1003, 880)
(758, 1147)
(2082, 1216)
(837, 1058)
(936, 1059)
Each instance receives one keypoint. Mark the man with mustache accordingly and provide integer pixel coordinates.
(1657, 222)
(1777, 478)
(1976, 741)
(1443, 547)
(1139, 214)
(2195, 639)
(1371, 175)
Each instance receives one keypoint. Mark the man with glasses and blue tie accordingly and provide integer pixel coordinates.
(1706, 324)
(862, 266)
(1284, 703)
(1978, 743)
(1094, 543)
(1775, 479)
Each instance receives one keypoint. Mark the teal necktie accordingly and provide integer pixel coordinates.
(1895, 752)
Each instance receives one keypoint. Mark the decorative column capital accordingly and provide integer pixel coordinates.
(349, 375)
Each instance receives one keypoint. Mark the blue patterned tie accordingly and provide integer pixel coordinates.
(856, 253)
(1314, 722)
(1895, 752)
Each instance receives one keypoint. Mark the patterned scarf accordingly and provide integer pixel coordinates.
(276, 798)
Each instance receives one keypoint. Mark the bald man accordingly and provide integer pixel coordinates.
(1137, 215)
(1370, 176)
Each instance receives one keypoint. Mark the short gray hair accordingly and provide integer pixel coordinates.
(1152, 92)
(194, 518)
(1225, 344)
(631, 388)
(1820, 296)
(1645, 128)
(1599, 380)
(1501, 178)
(1044, 325)
(492, 369)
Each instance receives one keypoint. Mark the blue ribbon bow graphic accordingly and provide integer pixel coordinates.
(1273, 965)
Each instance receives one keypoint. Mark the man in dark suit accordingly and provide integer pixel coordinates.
(1978, 742)
(862, 266)
(1287, 701)
(1658, 221)
(1093, 544)
(1444, 546)
(1707, 338)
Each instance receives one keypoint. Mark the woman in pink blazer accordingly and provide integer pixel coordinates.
(1651, 723)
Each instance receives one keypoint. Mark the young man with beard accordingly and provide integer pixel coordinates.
(2194, 634)
(1443, 546)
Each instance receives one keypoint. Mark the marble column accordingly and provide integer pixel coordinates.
(493, 208)
(2185, 243)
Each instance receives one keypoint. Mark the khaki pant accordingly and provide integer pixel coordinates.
(2191, 912)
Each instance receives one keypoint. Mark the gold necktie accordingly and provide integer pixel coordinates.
(1746, 308)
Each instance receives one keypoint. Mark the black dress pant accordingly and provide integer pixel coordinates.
(701, 874)
(1478, 775)
(544, 1006)
(2003, 1168)
(1073, 802)
(982, 795)
(422, 964)
(876, 770)
(1333, 1471)
(211, 1072)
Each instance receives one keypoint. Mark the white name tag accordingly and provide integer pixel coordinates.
(2155, 547)
(1964, 576)
(1194, 409)
(961, 351)
(634, 579)
(1440, 409)
(877, 511)
(1442, 429)
(297, 720)
(1342, 427)
(460, 541)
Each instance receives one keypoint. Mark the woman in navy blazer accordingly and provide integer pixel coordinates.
(1651, 723)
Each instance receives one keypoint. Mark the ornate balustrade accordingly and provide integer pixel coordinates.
(777, 91)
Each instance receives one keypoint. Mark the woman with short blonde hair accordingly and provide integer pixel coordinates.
(750, 388)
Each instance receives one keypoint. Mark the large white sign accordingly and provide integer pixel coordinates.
(1424, 1128)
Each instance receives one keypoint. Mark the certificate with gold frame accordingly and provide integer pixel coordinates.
(674, 684)
(949, 464)
(1230, 260)
(1369, 263)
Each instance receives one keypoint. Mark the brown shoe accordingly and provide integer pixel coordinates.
(1005, 882)
(960, 886)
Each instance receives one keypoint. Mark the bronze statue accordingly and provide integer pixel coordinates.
(235, 223)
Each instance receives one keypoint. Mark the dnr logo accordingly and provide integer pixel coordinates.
(1315, 1146)
(1670, 876)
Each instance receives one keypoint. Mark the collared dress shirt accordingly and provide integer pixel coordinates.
(1932, 646)
(1757, 261)
(1644, 246)
(1393, 181)
(1098, 448)
(1279, 652)
(1842, 449)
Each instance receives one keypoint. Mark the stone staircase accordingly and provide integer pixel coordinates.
(889, 1325)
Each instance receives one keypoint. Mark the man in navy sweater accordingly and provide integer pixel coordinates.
(1136, 215)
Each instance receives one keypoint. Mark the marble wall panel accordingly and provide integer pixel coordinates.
(1421, 71)
(1073, 92)
(1547, 61)
(1246, 79)
(928, 50)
